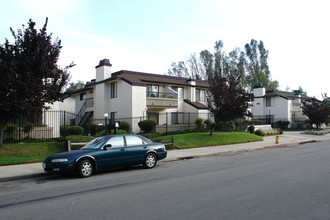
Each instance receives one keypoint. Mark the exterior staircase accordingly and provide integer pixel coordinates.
(83, 116)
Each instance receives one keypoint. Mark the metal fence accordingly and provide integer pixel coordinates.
(50, 123)
(46, 126)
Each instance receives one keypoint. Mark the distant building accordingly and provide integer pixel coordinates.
(272, 106)
(132, 96)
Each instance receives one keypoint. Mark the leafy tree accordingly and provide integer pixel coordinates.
(317, 111)
(191, 68)
(257, 66)
(226, 100)
(30, 76)
(74, 86)
(251, 65)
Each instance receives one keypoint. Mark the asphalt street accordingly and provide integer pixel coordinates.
(277, 183)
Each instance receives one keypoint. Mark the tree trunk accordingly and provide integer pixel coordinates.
(2, 126)
(3, 123)
(214, 126)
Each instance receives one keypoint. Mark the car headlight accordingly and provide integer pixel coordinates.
(58, 160)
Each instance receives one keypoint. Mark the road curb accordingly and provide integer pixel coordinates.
(22, 177)
(290, 144)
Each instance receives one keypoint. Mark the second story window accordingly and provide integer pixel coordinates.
(152, 91)
(82, 96)
(198, 95)
(113, 90)
(201, 95)
(270, 102)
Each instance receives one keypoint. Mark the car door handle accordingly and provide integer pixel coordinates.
(122, 149)
(145, 147)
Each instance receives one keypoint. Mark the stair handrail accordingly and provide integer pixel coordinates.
(88, 103)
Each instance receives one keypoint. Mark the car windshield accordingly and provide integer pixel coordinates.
(96, 143)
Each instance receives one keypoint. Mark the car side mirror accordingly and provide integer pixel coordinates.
(107, 146)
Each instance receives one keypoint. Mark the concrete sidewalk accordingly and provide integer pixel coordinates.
(32, 170)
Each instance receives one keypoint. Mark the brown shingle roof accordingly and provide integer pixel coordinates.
(286, 95)
(197, 105)
(142, 79)
(138, 78)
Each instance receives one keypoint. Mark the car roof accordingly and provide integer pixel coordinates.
(116, 135)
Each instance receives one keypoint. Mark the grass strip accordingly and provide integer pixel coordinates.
(18, 153)
(203, 139)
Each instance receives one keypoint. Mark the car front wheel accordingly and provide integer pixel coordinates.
(85, 168)
(150, 161)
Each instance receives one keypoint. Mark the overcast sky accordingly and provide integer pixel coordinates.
(148, 35)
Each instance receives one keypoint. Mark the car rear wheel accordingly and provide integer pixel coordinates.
(85, 168)
(150, 161)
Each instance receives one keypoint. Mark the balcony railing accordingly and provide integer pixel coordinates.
(162, 95)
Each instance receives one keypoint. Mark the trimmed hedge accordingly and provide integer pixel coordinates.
(93, 129)
(259, 132)
(199, 123)
(147, 126)
(282, 124)
(103, 133)
(71, 130)
(123, 125)
(79, 138)
(208, 124)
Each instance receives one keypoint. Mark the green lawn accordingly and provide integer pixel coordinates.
(203, 139)
(17, 153)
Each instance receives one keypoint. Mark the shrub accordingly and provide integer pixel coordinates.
(179, 132)
(212, 125)
(71, 130)
(147, 125)
(251, 129)
(308, 123)
(103, 133)
(300, 125)
(259, 132)
(93, 129)
(40, 125)
(10, 128)
(151, 135)
(123, 125)
(225, 126)
(199, 123)
(255, 122)
(28, 127)
(283, 124)
(208, 124)
(79, 138)
(280, 131)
